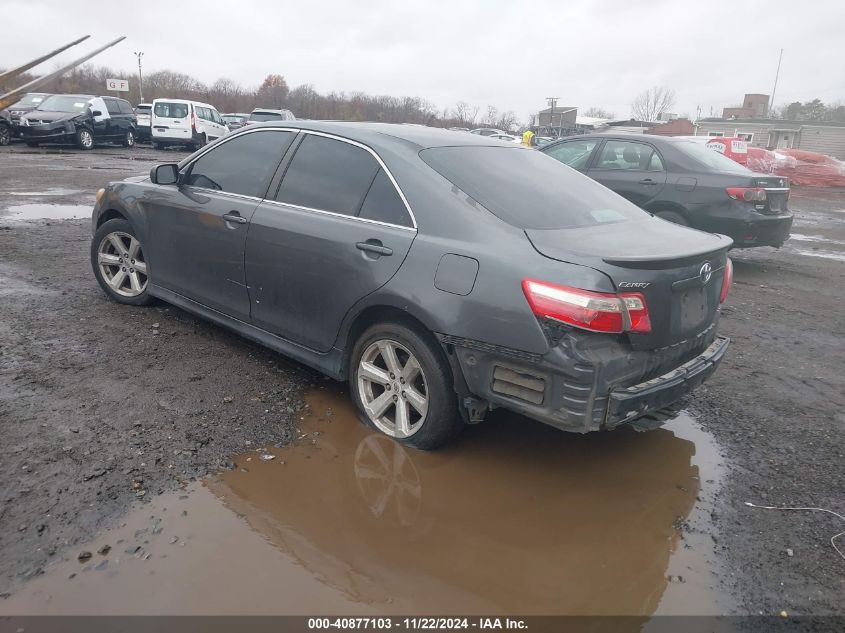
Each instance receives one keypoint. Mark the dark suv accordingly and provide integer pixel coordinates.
(79, 119)
(684, 182)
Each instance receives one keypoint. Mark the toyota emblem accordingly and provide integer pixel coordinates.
(705, 273)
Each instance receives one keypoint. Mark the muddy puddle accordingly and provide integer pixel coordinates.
(23, 212)
(515, 518)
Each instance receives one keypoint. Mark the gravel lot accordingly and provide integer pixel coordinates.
(103, 407)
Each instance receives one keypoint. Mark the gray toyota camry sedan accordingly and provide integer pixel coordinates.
(442, 275)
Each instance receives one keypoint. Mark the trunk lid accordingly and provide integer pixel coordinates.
(678, 270)
(777, 194)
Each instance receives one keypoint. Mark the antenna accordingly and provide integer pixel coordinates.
(775, 87)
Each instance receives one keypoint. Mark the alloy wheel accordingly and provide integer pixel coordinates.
(392, 388)
(120, 259)
(86, 138)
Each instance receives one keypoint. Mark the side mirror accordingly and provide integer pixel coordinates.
(96, 113)
(165, 174)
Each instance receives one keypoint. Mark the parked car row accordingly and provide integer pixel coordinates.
(85, 120)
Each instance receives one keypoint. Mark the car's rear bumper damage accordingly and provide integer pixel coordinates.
(587, 382)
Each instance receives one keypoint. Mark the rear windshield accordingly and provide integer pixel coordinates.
(171, 110)
(528, 189)
(64, 103)
(144, 109)
(232, 119)
(265, 116)
(710, 158)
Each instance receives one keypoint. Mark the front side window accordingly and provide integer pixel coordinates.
(112, 106)
(328, 175)
(170, 110)
(625, 155)
(125, 107)
(243, 165)
(576, 154)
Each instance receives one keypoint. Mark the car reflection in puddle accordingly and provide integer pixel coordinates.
(513, 518)
(518, 516)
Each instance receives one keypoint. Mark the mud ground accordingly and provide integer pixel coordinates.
(103, 407)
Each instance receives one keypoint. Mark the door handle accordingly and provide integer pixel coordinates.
(234, 216)
(375, 247)
(648, 181)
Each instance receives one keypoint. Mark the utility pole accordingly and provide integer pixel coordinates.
(139, 55)
(552, 101)
(775, 87)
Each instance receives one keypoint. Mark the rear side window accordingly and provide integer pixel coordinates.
(171, 110)
(528, 189)
(328, 175)
(384, 204)
(243, 165)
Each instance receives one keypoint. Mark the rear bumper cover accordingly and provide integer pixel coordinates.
(587, 382)
(630, 403)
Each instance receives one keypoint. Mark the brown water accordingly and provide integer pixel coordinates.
(514, 518)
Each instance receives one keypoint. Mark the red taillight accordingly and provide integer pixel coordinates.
(594, 311)
(193, 121)
(747, 194)
(727, 280)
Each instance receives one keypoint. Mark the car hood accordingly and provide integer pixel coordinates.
(648, 240)
(50, 116)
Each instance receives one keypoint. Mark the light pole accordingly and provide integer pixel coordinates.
(139, 55)
(552, 102)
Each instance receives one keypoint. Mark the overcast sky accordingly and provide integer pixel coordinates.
(509, 54)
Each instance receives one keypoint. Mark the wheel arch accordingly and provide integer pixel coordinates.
(111, 214)
(370, 315)
(666, 205)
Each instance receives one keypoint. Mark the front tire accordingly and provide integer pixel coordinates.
(5, 135)
(402, 386)
(119, 263)
(84, 138)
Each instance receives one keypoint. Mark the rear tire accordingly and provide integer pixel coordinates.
(403, 387)
(5, 135)
(129, 139)
(672, 216)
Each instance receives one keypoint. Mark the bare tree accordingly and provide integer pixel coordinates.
(274, 91)
(599, 113)
(465, 114)
(651, 103)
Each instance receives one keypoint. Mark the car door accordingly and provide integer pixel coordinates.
(198, 228)
(115, 128)
(575, 153)
(100, 122)
(220, 128)
(336, 230)
(632, 169)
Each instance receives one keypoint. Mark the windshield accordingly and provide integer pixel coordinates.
(265, 116)
(171, 110)
(528, 189)
(64, 103)
(710, 158)
(29, 100)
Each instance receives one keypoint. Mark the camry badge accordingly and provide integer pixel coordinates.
(705, 273)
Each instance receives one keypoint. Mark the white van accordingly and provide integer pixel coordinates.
(181, 122)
